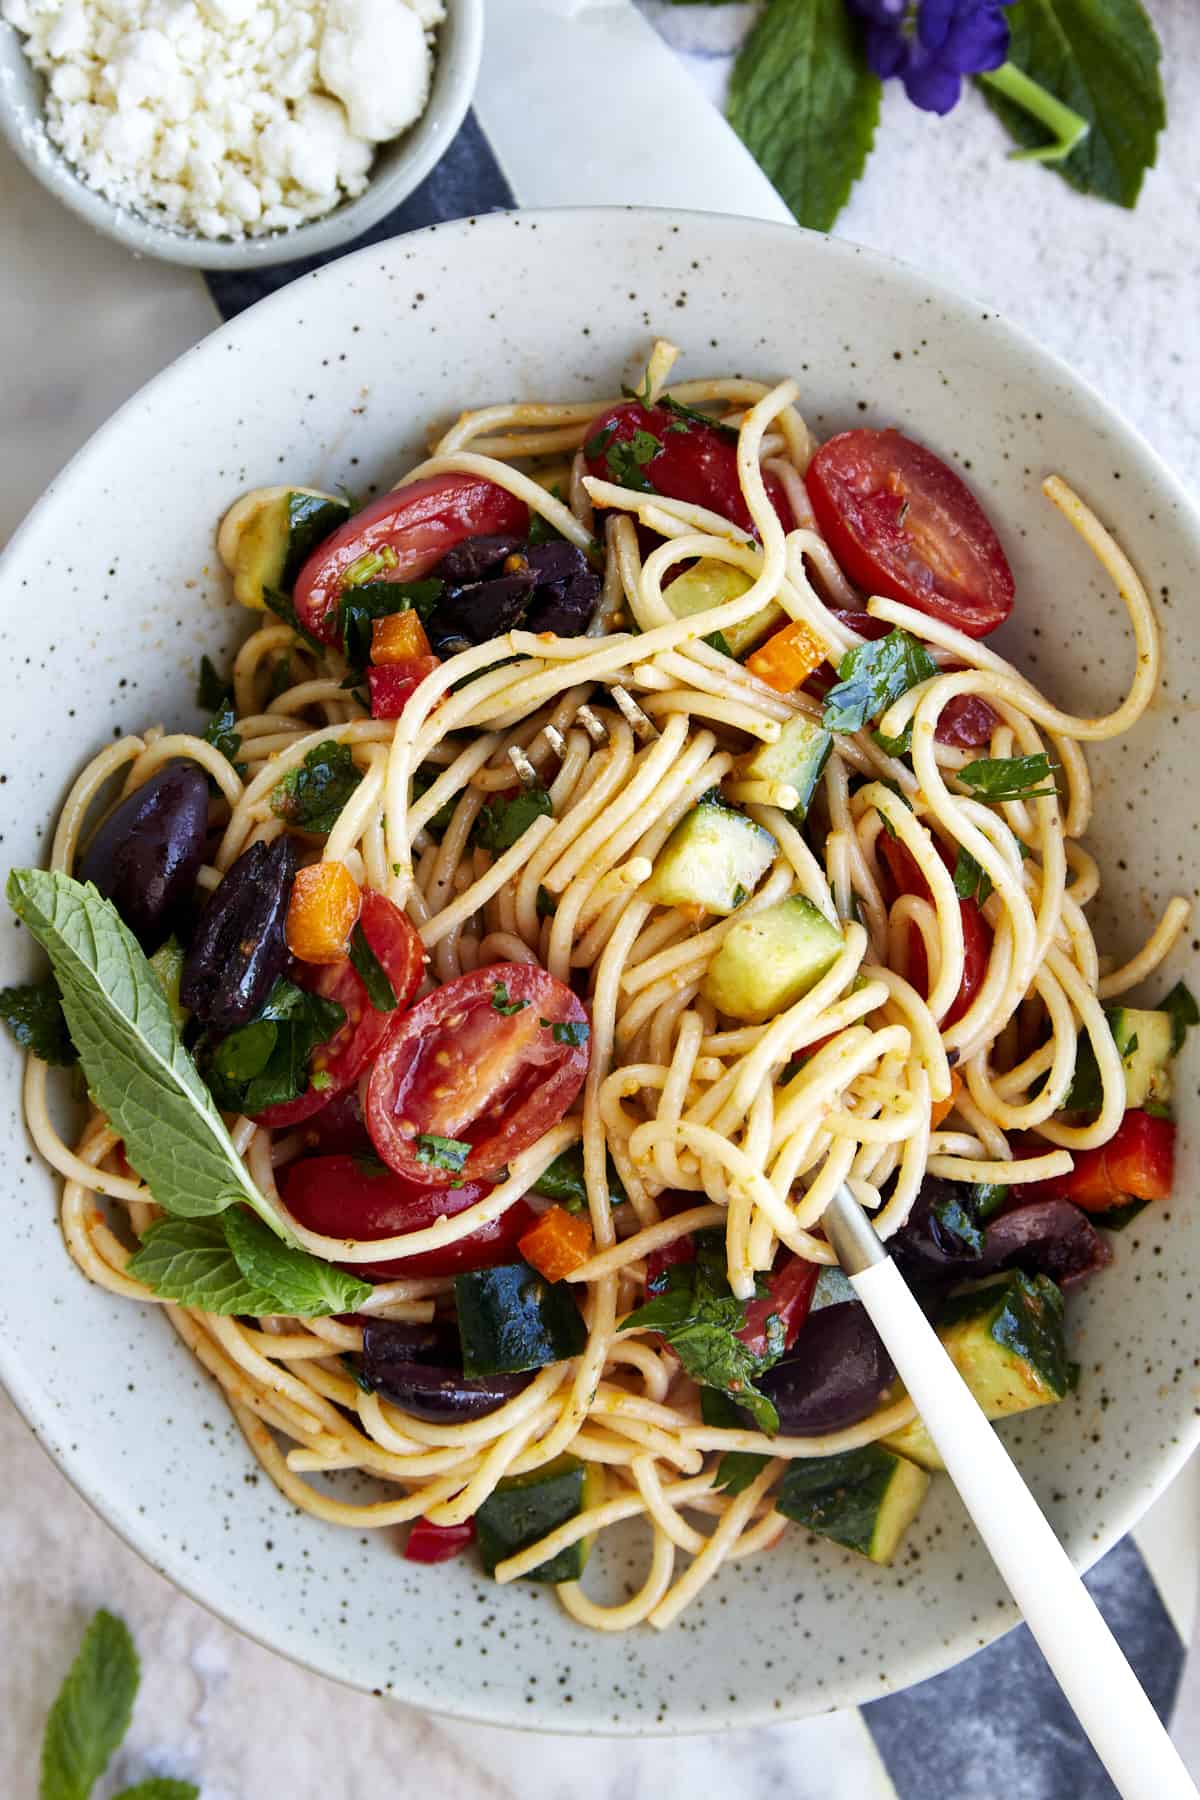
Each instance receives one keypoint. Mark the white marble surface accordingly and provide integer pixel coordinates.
(81, 326)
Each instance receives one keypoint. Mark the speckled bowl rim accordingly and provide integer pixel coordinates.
(400, 165)
(746, 1712)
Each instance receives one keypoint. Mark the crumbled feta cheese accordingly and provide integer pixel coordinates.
(228, 118)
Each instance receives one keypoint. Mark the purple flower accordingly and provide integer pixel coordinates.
(932, 44)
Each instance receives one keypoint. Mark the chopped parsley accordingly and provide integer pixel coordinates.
(34, 1015)
(442, 1152)
(220, 734)
(1010, 777)
(361, 605)
(311, 797)
(371, 972)
(1181, 1005)
(265, 1062)
(502, 1002)
(503, 821)
(547, 905)
(970, 881)
(281, 605)
(872, 677)
(212, 691)
(571, 1032)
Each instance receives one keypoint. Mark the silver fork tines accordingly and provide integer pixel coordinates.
(596, 729)
(643, 727)
(522, 765)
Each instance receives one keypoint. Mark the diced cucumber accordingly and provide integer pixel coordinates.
(765, 963)
(1005, 1337)
(1144, 1043)
(524, 1508)
(865, 1499)
(167, 963)
(710, 583)
(797, 757)
(714, 858)
(265, 538)
(510, 1319)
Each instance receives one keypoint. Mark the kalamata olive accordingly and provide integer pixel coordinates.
(833, 1375)
(474, 558)
(239, 949)
(419, 1368)
(1047, 1237)
(567, 590)
(482, 610)
(927, 1247)
(147, 854)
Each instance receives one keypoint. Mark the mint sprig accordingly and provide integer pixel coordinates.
(233, 1266)
(92, 1712)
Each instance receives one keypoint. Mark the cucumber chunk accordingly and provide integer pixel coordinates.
(714, 858)
(797, 757)
(167, 963)
(865, 1499)
(1006, 1340)
(524, 1508)
(767, 962)
(1144, 1041)
(710, 583)
(510, 1319)
(267, 535)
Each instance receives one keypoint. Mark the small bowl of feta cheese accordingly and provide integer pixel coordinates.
(233, 133)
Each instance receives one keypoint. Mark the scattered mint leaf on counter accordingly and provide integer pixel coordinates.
(873, 676)
(503, 1003)
(265, 1062)
(311, 797)
(91, 1714)
(371, 972)
(502, 821)
(1180, 1003)
(737, 1468)
(311, 519)
(34, 1015)
(442, 1152)
(303, 1286)
(999, 778)
(1102, 61)
(805, 104)
(137, 1069)
(970, 881)
(189, 1261)
(160, 1787)
(212, 690)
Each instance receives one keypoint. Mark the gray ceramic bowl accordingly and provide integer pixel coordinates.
(398, 166)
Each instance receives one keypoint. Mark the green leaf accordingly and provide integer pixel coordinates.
(547, 905)
(280, 604)
(1100, 58)
(304, 1286)
(970, 881)
(541, 531)
(92, 1712)
(873, 676)
(563, 1181)
(371, 972)
(137, 1069)
(689, 414)
(361, 606)
(311, 797)
(719, 642)
(160, 1787)
(503, 821)
(805, 104)
(1009, 777)
(220, 734)
(281, 676)
(1181, 1005)
(311, 519)
(34, 1015)
(212, 690)
(190, 1262)
(265, 1062)
(442, 1152)
(503, 1003)
(626, 458)
(423, 779)
(737, 1468)
(571, 1032)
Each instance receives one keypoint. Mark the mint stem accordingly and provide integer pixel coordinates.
(1066, 127)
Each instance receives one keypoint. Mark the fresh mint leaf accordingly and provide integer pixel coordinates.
(442, 1152)
(361, 606)
(220, 734)
(970, 881)
(281, 605)
(160, 1787)
(91, 1714)
(311, 797)
(737, 1468)
(626, 459)
(502, 821)
(304, 1287)
(571, 1032)
(1101, 58)
(563, 1181)
(137, 1069)
(1180, 1003)
(265, 1062)
(189, 1262)
(598, 443)
(311, 519)
(541, 531)
(873, 676)
(34, 1015)
(371, 972)
(805, 104)
(503, 1003)
(1009, 777)
(212, 690)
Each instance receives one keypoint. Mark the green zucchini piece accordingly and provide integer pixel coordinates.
(1005, 1337)
(1144, 1042)
(714, 858)
(764, 964)
(865, 1499)
(275, 538)
(510, 1319)
(710, 583)
(797, 757)
(524, 1508)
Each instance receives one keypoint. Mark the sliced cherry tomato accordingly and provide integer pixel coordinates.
(339, 1126)
(413, 527)
(428, 1543)
(1137, 1163)
(788, 1298)
(458, 1068)
(353, 1197)
(340, 1061)
(902, 524)
(392, 686)
(650, 446)
(977, 937)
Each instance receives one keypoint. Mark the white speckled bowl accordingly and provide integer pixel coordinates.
(110, 593)
(398, 167)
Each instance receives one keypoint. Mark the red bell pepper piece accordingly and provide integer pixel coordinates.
(393, 684)
(1137, 1163)
(428, 1543)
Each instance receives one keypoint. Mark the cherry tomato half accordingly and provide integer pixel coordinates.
(788, 1298)
(417, 524)
(635, 446)
(352, 1197)
(459, 1068)
(429, 1543)
(902, 524)
(347, 1053)
(977, 937)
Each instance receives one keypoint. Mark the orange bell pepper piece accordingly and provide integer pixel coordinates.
(941, 1109)
(788, 658)
(322, 912)
(398, 638)
(559, 1243)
